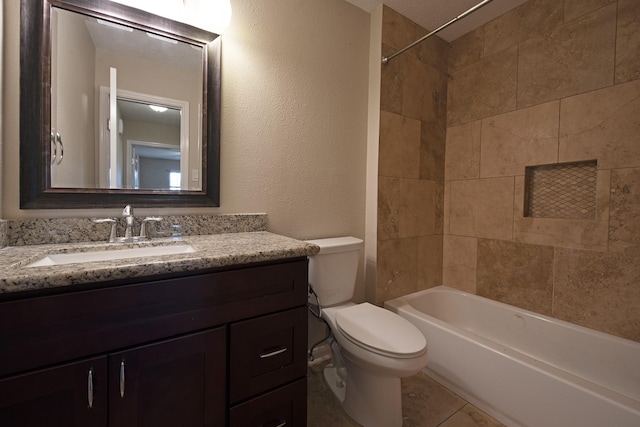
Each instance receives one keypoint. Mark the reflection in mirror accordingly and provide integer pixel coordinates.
(91, 56)
(91, 71)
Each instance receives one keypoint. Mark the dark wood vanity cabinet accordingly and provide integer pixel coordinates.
(225, 347)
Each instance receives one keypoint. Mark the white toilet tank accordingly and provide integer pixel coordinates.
(333, 271)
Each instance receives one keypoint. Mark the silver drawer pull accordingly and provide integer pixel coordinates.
(271, 354)
(90, 388)
(122, 379)
(282, 424)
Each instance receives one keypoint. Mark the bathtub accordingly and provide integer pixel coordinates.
(523, 368)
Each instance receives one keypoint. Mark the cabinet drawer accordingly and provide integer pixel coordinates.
(267, 351)
(284, 407)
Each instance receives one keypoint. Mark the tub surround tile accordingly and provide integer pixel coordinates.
(462, 157)
(391, 83)
(424, 91)
(216, 250)
(399, 31)
(599, 291)
(484, 88)
(460, 257)
(408, 208)
(39, 231)
(522, 23)
(482, 208)
(624, 225)
(573, 58)
(516, 274)
(568, 233)
(602, 125)
(575, 8)
(517, 139)
(399, 146)
(429, 261)
(397, 270)
(432, 150)
(466, 49)
(628, 41)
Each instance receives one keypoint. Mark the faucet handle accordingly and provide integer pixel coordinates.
(143, 226)
(112, 233)
(127, 211)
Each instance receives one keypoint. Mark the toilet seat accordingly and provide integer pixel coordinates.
(380, 331)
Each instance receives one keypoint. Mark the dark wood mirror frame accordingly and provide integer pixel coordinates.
(35, 110)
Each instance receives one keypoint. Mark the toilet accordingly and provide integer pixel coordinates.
(371, 348)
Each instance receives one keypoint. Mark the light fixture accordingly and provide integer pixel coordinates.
(158, 109)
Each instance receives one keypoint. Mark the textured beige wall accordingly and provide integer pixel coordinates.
(294, 117)
(411, 160)
(548, 82)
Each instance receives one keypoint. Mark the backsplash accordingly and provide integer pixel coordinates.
(38, 231)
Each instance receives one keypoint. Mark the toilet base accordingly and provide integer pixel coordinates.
(371, 400)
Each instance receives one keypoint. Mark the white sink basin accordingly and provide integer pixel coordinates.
(109, 255)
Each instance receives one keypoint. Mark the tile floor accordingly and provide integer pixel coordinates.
(425, 403)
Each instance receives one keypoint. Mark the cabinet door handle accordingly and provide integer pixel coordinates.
(122, 378)
(281, 424)
(266, 355)
(90, 388)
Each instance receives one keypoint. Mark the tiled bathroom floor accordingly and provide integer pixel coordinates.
(425, 403)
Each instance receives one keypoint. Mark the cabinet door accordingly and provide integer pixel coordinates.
(73, 395)
(179, 382)
(286, 406)
(266, 352)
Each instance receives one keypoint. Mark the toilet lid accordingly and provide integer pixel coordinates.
(380, 330)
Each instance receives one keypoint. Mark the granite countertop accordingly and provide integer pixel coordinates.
(214, 250)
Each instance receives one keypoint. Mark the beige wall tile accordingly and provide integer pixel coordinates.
(467, 49)
(628, 41)
(520, 138)
(530, 19)
(602, 125)
(484, 88)
(435, 52)
(462, 157)
(599, 291)
(417, 207)
(388, 208)
(399, 146)
(432, 149)
(568, 233)
(399, 31)
(446, 207)
(574, 58)
(397, 271)
(624, 234)
(482, 208)
(391, 83)
(424, 91)
(576, 8)
(460, 257)
(429, 261)
(516, 274)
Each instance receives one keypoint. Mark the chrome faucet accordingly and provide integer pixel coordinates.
(127, 213)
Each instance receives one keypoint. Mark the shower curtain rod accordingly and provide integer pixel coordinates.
(386, 59)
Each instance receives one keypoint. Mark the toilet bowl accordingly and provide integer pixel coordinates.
(371, 347)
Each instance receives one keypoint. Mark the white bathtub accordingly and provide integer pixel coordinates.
(523, 368)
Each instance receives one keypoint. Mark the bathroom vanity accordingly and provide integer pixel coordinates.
(219, 342)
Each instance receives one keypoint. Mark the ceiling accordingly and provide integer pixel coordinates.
(431, 14)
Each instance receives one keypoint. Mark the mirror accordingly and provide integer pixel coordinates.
(155, 143)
